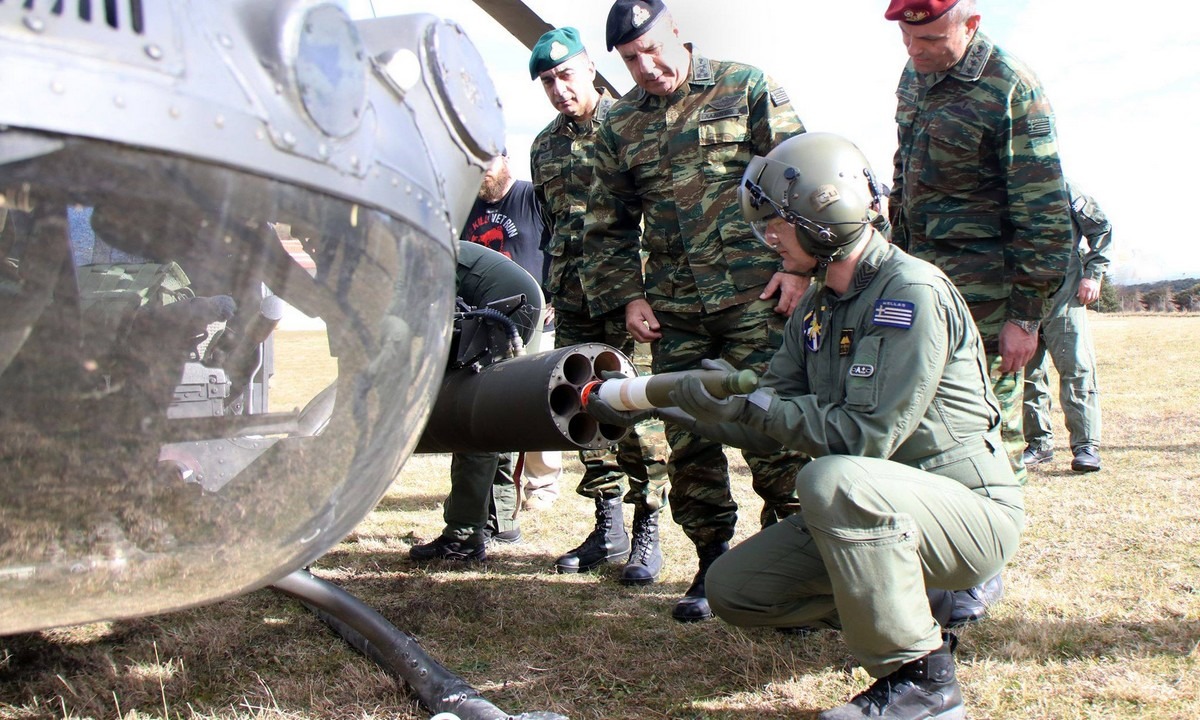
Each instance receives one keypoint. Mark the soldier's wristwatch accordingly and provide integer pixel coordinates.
(1029, 326)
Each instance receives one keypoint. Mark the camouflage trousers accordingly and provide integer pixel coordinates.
(701, 502)
(641, 456)
(1009, 390)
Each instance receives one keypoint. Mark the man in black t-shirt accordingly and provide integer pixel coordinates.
(506, 218)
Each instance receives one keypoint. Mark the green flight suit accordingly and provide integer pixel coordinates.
(1065, 338)
(886, 388)
(480, 482)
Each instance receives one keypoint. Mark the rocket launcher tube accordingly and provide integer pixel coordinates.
(652, 391)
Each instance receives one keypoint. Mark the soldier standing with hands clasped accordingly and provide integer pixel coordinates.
(978, 191)
(669, 158)
(562, 162)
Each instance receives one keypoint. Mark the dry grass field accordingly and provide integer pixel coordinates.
(1101, 617)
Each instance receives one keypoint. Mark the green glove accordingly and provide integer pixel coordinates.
(690, 396)
(717, 364)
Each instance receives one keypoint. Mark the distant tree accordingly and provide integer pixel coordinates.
(1109, 300)
(1155, 300)
(1185, 301)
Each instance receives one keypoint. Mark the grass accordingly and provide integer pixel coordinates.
(1101, 617)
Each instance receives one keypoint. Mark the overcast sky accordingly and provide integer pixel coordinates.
(1125, 85)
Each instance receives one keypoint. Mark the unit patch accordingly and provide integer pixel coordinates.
(812, 331)
(894, 313)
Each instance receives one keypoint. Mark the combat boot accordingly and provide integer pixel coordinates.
(693, 606)
(971, 605)
(919, 689)
(471, 550)
(608, 541)
(645, 557)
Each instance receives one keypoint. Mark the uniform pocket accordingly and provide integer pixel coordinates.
(954, 155)
(724, 134)
(862, 375)
(751, 263)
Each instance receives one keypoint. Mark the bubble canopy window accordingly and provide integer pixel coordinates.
(144, 465)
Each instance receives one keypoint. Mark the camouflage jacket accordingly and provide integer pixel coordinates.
(1089, 258)
(561, 163)
(667, 175)
(978, 188)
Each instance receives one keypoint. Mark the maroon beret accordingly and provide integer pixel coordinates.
(918, 12)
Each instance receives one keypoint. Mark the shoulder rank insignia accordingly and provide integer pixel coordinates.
(894, 313)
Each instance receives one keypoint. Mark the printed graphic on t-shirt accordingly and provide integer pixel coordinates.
(493, 230)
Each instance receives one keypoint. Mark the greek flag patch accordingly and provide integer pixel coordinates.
(779, 96)
(894, 313)
(1039, 126)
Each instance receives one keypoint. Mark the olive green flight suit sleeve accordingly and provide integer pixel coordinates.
(1094, 225)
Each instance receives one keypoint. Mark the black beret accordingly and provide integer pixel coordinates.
(628, 20)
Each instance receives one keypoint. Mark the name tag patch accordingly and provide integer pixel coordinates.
(862, 371)
(894, 313)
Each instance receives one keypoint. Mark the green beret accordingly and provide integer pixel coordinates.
(552, 49)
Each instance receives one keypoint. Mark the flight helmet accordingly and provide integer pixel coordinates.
(819, 182)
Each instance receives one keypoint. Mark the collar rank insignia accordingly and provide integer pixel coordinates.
(894, 313)
(812, 331)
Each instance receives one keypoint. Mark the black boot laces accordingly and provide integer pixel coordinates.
(881, 691)
(641, 542)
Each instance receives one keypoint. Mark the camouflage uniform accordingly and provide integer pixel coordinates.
(562, 162)
(1065, 334)
(674, 164)
(978, 190)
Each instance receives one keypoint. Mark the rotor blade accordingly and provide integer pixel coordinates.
(527, 26)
